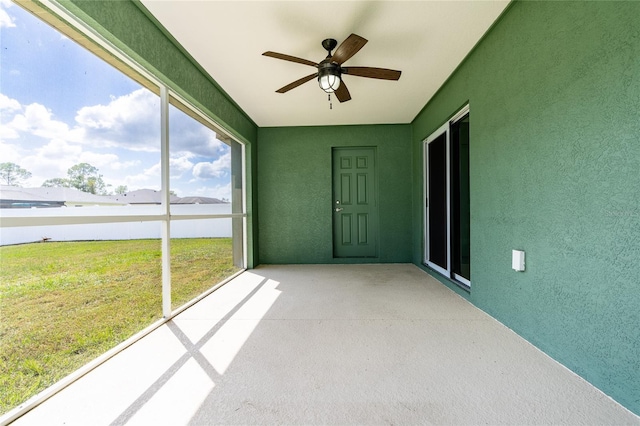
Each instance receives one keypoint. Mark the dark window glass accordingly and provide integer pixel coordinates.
(460, 214)
(437, 201)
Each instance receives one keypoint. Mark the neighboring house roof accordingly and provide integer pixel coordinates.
(58, 196)
(16, 193)
(198, 200)
(16, 197)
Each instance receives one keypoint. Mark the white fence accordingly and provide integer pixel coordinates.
(188, 228)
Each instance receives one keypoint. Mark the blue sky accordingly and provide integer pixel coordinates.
(60, 105)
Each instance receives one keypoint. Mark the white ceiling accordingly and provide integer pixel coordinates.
(426, 40)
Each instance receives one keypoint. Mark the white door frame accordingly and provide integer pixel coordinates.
(444, 129)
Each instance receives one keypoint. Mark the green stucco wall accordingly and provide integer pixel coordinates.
(294, 191)
(128, 25)
(554, 93)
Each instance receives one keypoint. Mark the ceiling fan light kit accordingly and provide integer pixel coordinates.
(328, 77)
(329, 73)
(330, 70)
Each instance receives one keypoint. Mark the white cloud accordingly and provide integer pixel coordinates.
(131, 121)
(34, 119)
(9, 152)
(59, 149)
(152, 171)
(97, 160)
(8, 104)
(213, 145)
(189, 135)
(149, 179)
(215, 169)
(56, 157)
(121, 165)
(51, 160)
(8, 133)
(38, 120)
(6, 21)
(8, 107)
(218, 191)
(179, 165)
(102, 135)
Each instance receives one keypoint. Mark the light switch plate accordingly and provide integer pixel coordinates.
(517, 260)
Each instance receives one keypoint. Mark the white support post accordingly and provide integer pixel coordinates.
(166, 231)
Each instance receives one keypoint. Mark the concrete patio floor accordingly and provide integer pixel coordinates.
(330, 344)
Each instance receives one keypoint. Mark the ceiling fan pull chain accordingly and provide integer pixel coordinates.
(330, 104)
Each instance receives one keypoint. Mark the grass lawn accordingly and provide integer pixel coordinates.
(64, 303)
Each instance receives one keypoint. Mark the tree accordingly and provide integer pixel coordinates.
(85, 177)
(12, 174)
(121, 189)
(57, 183)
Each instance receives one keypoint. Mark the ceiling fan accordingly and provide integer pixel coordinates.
(330, 70)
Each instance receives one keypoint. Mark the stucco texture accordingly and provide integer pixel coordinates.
(294, 191)
(554, 94)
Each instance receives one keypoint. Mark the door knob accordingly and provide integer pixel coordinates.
(339, 209)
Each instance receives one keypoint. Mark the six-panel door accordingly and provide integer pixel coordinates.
(355, 220)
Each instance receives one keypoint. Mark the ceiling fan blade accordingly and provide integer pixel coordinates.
(296, 83)
(290, 58)
(379, 73)
(348, 48)
(342, 93)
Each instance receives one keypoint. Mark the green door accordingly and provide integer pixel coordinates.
(355, 207)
